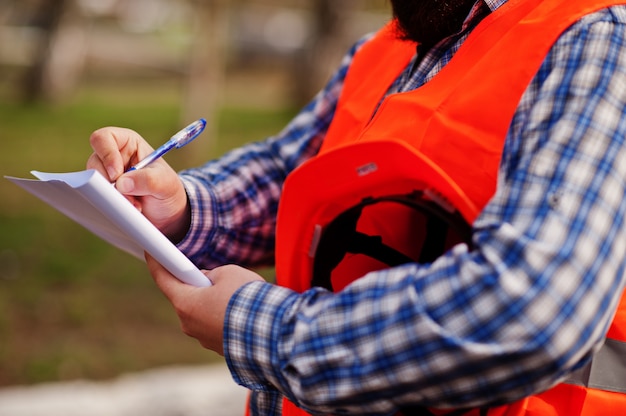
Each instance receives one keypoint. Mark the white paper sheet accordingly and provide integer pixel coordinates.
(89, 199)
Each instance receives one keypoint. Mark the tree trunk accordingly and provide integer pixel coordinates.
(329, 43)
(60, 55)
(206, 70)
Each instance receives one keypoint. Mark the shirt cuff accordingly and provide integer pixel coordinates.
(252, 332)
(203, 218)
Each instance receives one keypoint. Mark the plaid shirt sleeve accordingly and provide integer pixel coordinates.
(515, 315)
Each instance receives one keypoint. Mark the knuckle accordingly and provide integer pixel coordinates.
(97, 136)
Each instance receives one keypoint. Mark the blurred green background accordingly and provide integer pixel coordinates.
(71, 306)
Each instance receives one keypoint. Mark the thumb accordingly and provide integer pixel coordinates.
(125, 184)
(158, 180)
(137, 183)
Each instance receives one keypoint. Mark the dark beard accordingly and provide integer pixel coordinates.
(429, 21)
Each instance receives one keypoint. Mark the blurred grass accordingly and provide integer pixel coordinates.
(70, 305)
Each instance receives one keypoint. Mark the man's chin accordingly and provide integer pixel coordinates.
(428, 21)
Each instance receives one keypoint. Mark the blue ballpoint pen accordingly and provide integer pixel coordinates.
(177, 141)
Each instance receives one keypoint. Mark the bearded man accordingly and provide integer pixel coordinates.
(446, 218)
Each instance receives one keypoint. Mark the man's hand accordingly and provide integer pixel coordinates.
(202, 310)
(155, 190)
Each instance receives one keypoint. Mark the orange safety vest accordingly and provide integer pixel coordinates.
(437, 146)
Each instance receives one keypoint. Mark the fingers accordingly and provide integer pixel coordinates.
(116, 149)
(202, 311)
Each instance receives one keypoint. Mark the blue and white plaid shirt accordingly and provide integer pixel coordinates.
(513, 316)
